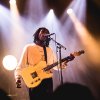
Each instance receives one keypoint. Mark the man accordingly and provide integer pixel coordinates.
(32, 55)
(38, 56)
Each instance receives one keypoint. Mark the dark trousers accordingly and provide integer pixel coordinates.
(42, 91)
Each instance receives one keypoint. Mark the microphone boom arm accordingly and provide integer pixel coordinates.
(58, 43)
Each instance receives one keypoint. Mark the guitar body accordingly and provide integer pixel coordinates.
(33, 75)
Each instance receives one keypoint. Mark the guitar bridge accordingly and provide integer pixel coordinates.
(34, 74)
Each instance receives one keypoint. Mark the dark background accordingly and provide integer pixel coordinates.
(59, 6)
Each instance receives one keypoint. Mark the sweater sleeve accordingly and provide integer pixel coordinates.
(22, 63)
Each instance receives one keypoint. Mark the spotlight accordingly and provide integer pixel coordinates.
(51, 10)
(12, 1)
(69, 11)
(9, 62)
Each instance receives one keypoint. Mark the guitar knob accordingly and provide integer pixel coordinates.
(38, 78)
(32, 82)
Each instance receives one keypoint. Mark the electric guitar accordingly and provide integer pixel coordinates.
(33, 75)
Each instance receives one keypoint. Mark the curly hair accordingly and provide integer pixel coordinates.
(36, 38)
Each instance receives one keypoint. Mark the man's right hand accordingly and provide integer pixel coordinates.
(18, 82)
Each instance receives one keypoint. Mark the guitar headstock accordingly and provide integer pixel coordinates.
(78, 53)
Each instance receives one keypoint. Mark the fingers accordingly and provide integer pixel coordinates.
(64, 64)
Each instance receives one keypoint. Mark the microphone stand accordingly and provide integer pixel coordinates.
(59, 46)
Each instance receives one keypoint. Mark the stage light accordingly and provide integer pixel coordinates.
(12, 1)
(51, 10)
(69, 11)
(9, 62)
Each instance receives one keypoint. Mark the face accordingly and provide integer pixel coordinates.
(42, 35)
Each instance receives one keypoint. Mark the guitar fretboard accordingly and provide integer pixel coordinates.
(69, 58)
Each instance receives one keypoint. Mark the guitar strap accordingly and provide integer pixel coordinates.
(45, 53)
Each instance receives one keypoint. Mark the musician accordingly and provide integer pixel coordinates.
(32, 55)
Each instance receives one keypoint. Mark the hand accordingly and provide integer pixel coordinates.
(64, 64)
(18, 82)
(72, 56)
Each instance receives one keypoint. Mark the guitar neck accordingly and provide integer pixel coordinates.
(67, 59)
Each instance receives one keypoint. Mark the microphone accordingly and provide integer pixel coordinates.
(47, 35)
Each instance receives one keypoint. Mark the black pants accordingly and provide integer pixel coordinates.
(42, 91)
